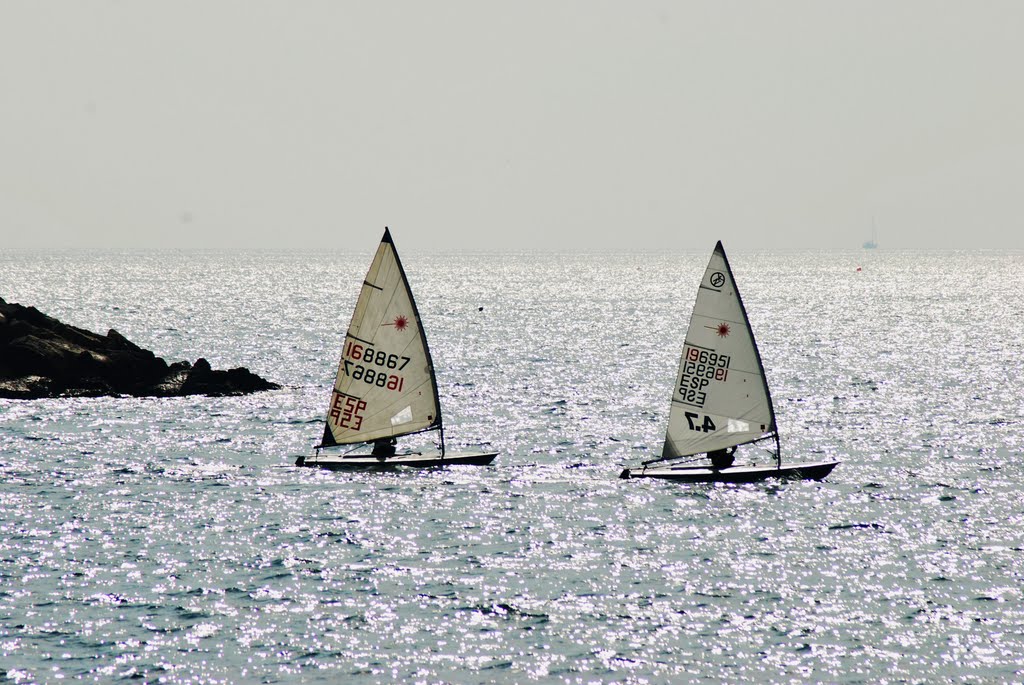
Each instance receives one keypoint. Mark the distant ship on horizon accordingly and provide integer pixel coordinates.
(872, 242)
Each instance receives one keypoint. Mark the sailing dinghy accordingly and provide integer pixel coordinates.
(721, 398)
(385, 388)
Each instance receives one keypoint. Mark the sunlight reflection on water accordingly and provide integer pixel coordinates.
(172, 539)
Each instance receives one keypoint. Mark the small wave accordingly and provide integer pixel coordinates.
(849, 526)
(503, 609)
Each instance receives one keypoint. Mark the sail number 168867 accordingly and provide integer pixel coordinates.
(381, 379)
(368, 355)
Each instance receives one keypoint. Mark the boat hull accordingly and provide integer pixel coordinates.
(366, 462)
(734, 474)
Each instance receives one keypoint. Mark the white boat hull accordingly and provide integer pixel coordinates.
(734, 474)
(366, 462)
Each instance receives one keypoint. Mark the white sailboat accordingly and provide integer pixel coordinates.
(385, 387)
(721, 398)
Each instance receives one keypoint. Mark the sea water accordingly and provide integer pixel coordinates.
(172, 540)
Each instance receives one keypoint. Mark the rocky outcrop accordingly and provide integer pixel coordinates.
(42, 357)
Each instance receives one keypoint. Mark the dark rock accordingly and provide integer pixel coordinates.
(202, 380)
(42, 357)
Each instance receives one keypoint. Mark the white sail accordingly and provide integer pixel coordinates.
(385, 385)
(721, 397)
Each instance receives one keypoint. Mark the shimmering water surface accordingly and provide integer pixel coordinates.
(172, 541)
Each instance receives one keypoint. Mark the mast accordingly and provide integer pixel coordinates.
(423, 336)
(757, 352)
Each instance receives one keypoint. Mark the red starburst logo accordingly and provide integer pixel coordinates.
(723, 330)
(400, 323)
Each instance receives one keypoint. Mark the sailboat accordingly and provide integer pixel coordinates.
(721, 398)
(386, 387)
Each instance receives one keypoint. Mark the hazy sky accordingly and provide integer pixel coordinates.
(512, 125)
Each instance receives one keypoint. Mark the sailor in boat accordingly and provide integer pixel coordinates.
(384, 448)
(722, 459)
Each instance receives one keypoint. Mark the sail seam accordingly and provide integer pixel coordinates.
(345, 394)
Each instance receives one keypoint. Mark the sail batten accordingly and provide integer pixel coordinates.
(721, 397)
(385, 385)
